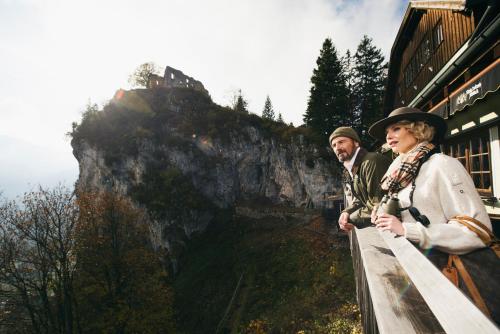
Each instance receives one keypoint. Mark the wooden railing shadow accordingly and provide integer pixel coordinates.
(400, 291)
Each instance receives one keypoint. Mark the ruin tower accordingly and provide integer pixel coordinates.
(154, 81)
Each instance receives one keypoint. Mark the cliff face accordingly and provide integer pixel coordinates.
(224, 162)
(242, 169)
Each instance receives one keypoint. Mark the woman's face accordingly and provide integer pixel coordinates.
(399, 138)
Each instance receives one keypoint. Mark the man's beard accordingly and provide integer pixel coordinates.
(344, 156)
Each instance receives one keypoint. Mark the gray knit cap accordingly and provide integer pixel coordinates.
(344, 131)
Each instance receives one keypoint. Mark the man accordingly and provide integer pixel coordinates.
(361, 177)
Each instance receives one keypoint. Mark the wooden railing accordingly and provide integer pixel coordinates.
(400, 291)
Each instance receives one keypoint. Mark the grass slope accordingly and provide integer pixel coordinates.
(296, 279)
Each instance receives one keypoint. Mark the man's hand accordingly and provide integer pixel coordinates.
(344, 222)
(374, 214)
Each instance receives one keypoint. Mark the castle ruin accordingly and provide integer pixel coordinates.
(175, 78)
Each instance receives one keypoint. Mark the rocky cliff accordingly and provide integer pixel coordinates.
(148, 144)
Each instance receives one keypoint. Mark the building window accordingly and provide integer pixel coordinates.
(410, 72)
(437, 35)
(427, 48)
(423, 53)
(421, 56)
(473, 151)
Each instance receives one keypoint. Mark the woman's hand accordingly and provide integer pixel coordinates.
(386, 222)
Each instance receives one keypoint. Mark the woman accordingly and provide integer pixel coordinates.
(432, 188)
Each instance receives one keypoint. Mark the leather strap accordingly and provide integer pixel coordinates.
(469, 283)
(450, 272)
(483, 227)
(496, 248)
(478, 223)
(483, 232)
(483, 236)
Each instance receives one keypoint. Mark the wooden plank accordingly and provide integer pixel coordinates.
(432, 61)
(443, 46)
(447, 33)
(424, 72)
(453, 23)
(468, 24)
(368, 318)
(462, 28)
(435, 53)
(453, 36)
(454, 311)
(456, 23)
(396, 303)
(458, 26)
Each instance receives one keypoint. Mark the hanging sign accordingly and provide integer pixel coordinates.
(489, 81)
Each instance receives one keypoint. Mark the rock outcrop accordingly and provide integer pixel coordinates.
(224, 162)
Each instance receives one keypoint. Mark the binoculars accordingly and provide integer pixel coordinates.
(389, 205)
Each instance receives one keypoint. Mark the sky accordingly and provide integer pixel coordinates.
(56, 56)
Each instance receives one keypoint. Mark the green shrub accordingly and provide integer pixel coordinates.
(168, 194)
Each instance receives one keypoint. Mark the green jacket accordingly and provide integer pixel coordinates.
(364, 186)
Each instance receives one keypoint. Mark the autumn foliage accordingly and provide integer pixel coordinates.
(85, 264)
(80, 266)
(121, 281)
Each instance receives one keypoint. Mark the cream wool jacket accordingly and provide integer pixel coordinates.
(443, 189)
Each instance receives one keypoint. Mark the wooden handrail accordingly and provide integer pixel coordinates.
(388, 300)
(407, 292)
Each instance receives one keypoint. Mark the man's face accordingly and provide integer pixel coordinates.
(344, 148)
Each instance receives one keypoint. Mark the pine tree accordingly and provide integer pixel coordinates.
(348, 67)
(369, 79)
(327, 107)
(280, 118)
(268, 111)
(240, 103)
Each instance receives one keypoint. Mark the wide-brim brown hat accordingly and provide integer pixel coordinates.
(377, 130)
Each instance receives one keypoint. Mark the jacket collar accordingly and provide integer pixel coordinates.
(359, 158)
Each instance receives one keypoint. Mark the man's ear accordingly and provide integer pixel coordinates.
(356, 144)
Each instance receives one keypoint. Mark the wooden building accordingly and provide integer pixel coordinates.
(445, 60)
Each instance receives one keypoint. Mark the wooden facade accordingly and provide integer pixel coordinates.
(445, 60)
(436, 37)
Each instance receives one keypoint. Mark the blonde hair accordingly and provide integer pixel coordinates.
(421, 130)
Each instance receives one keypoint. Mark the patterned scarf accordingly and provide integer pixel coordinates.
(398, 178)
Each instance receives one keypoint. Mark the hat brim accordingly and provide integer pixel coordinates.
(377, 130)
